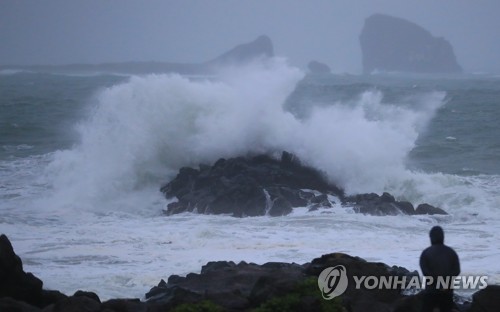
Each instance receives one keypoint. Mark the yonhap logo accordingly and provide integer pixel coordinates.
(332, 281)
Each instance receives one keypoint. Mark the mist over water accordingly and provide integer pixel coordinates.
(87, 214)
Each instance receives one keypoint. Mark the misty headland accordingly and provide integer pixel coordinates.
(240, 54)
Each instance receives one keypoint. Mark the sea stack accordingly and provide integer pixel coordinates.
(391, 44)
(246, 52)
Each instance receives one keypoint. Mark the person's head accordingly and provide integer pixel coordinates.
(437, 235)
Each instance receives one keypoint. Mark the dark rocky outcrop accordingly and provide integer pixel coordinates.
(394, 44)
(14, 282)
(88, 294)
(75, 304)
(486, 300)
(260, 185)
(386, 204)
(248, 186)
(13, 305)
(428, 209)
(363, 299)
(245, 286)
(19, 289)
(316, 67)
(229, 285)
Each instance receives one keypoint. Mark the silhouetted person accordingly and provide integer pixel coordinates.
(439, 261)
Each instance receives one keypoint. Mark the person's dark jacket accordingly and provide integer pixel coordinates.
(439, 259)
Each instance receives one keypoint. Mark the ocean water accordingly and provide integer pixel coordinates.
(82, 158)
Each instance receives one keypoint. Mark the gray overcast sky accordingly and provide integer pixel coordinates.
(93, 31)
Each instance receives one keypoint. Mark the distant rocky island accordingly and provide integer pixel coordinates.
(241, 54)
(392, 44)
(388, 44)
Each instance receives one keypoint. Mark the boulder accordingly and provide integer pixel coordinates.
(88, 294)
(373, 204)
(394, 44)
(362, 299)
(75, 304)
(386, 204)
(430, 210)
(9, 304)
(486, 300)
(125, 305)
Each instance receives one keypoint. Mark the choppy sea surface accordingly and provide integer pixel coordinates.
(82, 158)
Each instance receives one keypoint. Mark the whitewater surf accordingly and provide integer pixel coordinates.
(82, 205)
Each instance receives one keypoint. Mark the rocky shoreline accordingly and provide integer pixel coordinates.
(227, 286)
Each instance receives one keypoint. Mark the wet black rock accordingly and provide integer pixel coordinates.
(22, 291)
(245, 286)
(263, 185)
(14, 282)
(430, 210)
(248, 186)
(75, 304)
(486, 300)
(362, 299)
(386, 204)
(229, 285)
(88, 294)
